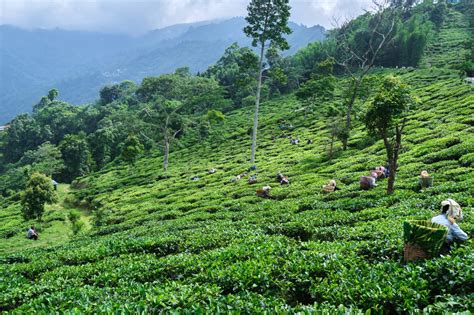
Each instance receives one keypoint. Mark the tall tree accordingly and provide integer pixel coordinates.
(267, 23)
(358, 48)
(236, 71)
(39, 190)
(76, 155)
(386, 118)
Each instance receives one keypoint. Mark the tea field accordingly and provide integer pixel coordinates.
(165, 243)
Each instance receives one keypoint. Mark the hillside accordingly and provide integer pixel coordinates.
(167, 242)
(80, 63)
(187, 240)
(447, 47)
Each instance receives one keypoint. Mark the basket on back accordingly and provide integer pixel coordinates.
(328, 188)
(425, 182)
(423, 239)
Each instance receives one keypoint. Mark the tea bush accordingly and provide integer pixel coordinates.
(161, 242)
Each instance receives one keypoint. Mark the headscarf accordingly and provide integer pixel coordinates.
(454, 209)
(424, 174)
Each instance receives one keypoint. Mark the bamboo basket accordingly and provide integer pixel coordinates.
(423, 239)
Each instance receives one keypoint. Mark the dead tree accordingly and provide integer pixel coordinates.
(357, 60)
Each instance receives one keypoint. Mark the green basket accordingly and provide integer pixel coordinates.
(424, 236)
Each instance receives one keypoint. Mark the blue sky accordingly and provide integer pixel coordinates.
(139, 16)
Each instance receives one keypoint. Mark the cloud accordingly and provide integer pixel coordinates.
(138, 16)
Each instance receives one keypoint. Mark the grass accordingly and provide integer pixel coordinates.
(54, 229)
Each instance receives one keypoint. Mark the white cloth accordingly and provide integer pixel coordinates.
(454, 231)
(454, 209)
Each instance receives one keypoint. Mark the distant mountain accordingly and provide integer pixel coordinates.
(80, 63)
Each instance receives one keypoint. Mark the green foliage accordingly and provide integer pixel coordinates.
(197, 94)
(161, 242)
(77, 226)
(74, 216)
(236, 71)
(46, 159)
(320, 88)
(39, 191)
(268, 21)
(389, 107)
(76, 155)
(24, 134)
(132, 148)
(111, 93)
(53, 94)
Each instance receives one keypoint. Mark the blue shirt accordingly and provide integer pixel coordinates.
(454, 231)
(30, 233)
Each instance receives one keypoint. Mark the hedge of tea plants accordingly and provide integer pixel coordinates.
(162, 242)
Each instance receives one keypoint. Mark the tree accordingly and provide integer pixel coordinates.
(76, 155)
(24, 134)
(320, 88)
(76, 223)
(165, 117)
(53, 94)
(386, 118)
(267, 22)
(358, 47)
(39, 191)
(60, 119)
(276, 78)
(132, 148)
(111, 93)
(236, 71)
(46, 159)
(205, 123)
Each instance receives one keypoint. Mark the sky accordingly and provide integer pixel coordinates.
(135, 17)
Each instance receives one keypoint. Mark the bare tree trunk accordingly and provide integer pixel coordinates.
(331, 146)
(257, 105)
(394, 161)
(167, 152)
(350, 106)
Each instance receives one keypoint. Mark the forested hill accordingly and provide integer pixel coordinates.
(80, 63)
(155, 211)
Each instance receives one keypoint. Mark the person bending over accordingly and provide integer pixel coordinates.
(450, 211)
(32, 234)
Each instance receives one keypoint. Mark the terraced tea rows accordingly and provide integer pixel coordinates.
(166, 243)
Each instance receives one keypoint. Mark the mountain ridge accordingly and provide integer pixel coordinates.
(86, 59)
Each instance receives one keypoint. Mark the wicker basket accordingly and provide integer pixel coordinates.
(425, 182)
(328, 188)
(423, 239)
(412, 252)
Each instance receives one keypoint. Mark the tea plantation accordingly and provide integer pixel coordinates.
(165, 243)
